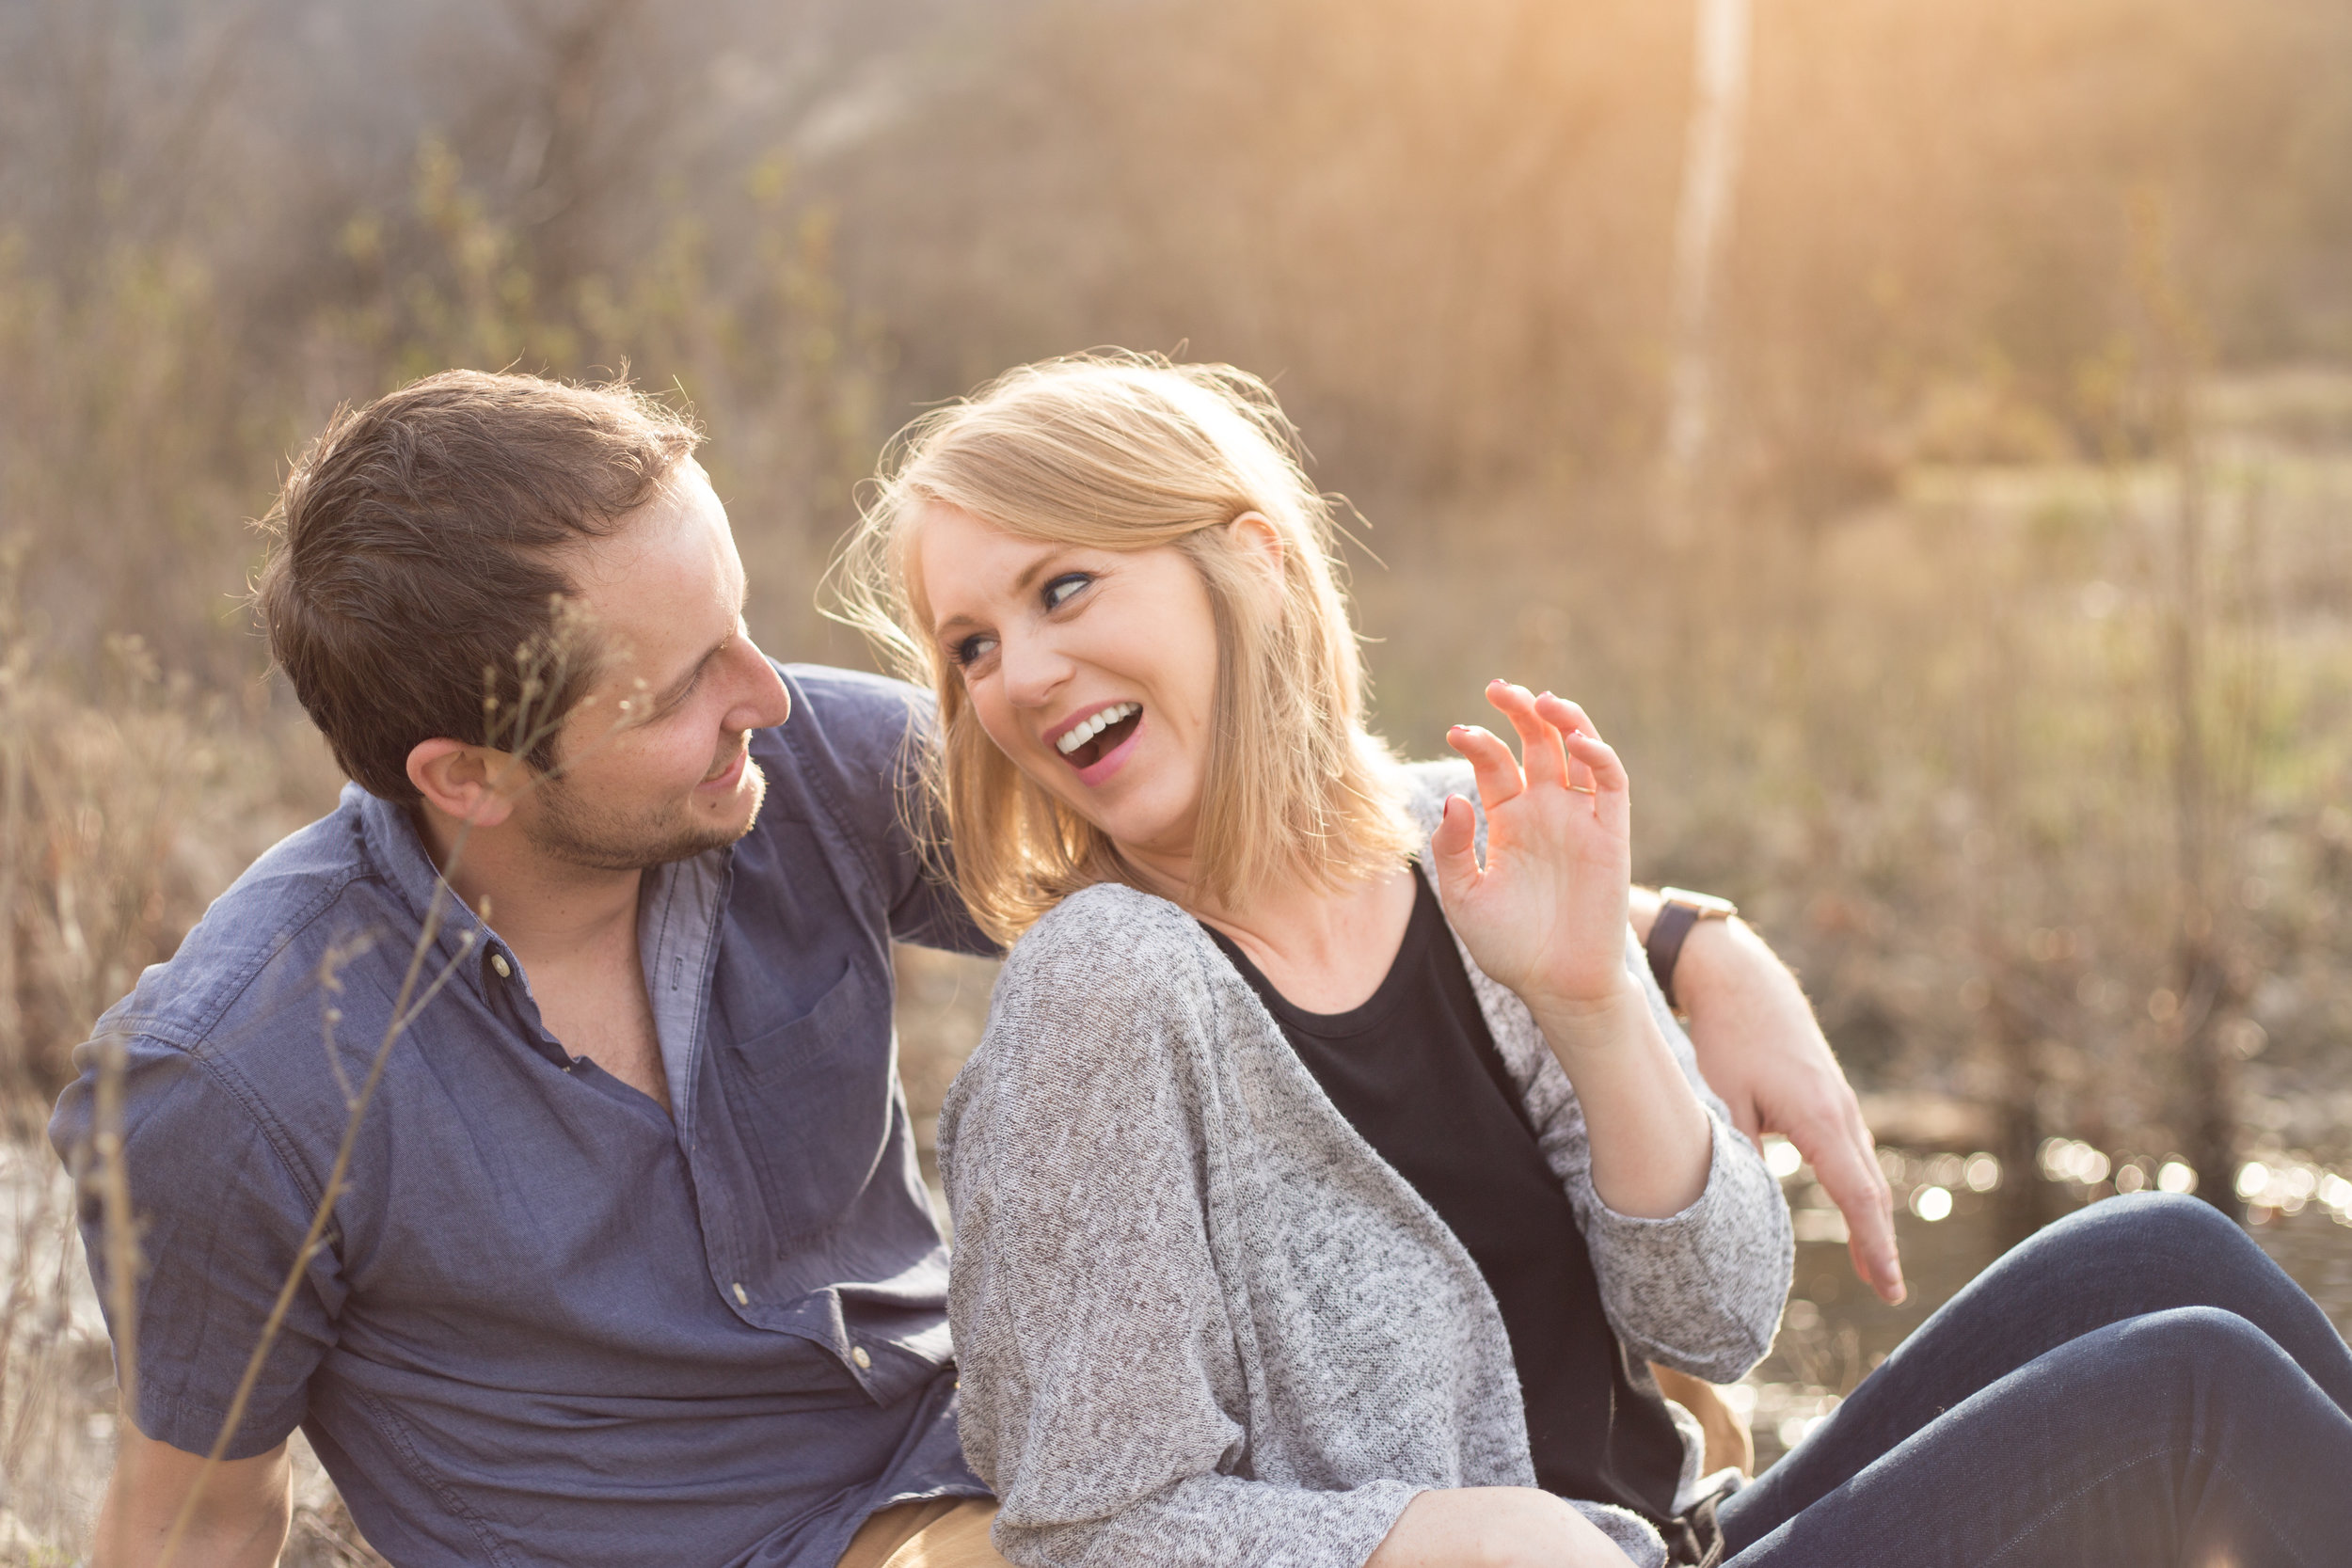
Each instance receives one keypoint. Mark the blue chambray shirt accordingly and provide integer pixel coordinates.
(550, 1324)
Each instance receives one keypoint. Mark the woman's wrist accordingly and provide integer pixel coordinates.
(1652, 1144)
(1614, 1021)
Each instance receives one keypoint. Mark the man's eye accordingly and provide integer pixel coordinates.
(1058, 593)
(972, 649)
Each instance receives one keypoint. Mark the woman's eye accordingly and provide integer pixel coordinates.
(972, 649)
(1058, 593)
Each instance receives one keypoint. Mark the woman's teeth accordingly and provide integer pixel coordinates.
(1079, 734)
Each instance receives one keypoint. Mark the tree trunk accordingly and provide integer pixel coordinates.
(2208, 1083)
(1711, 172)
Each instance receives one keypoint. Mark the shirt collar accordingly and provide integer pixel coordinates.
(396, 849)
(677, 934)
(677, 914)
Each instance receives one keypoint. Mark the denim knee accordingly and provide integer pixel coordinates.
(2152, 1226)
(2153, 1216)
(2197, 1351)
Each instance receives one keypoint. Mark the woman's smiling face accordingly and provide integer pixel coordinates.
(1093, 669)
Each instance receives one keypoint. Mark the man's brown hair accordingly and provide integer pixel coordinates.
(416, 550)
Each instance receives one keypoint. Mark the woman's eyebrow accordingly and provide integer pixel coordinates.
(1028, 574)
(1021, 584)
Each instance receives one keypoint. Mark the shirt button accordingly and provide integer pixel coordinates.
(498, 962)
(857, 1353)
(742, 1298)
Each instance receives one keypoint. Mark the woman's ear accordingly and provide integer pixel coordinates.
(461, 781)
(1255, 540)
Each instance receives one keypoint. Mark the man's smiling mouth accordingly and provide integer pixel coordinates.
(722, 772)
(1089, 740)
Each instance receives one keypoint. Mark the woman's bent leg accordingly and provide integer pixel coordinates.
(2116, 1260)
(2183, 1437)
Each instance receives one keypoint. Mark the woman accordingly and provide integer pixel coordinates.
(1331, 1164)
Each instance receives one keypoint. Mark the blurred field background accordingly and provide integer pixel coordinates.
(1959, 554)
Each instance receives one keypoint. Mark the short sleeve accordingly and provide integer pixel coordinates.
(221, 1222)
(869, 739)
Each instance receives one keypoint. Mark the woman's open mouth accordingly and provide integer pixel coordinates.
(1098, 737)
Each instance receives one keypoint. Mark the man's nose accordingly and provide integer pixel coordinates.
(764, 701)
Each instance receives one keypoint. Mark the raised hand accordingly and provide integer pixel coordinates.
(1546, 914)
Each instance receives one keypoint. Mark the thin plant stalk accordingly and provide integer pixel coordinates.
(114, 1197)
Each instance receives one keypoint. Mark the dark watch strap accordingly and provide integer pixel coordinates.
(1667, 934)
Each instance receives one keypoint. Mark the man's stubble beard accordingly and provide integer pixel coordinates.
(570, 829)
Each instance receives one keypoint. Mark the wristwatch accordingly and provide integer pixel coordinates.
(1678, 909)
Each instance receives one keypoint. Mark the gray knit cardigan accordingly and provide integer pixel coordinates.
(1200, 1321)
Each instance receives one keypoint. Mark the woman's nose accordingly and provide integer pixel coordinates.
(1032, 671)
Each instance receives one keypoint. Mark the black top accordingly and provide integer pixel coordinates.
(1416, 1072)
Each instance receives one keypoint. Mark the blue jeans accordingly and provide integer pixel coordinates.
(2137, 1384)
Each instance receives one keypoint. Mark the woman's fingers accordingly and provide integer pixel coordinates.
(1564, 716)
(1569, 721)
(1597, 757)
(1562, 750)
(1453, 853)
(1593, 763)
(1539, 742)
(1497, 770)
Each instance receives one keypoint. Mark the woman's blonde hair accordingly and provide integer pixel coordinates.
(1127, 451)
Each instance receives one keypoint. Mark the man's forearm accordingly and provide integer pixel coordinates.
(239, 1520)
(1757, 1042)
(1761, 1050)
(1725, 969)
(1728, 982)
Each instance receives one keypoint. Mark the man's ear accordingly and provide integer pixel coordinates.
(1256, 540)
(456, 779)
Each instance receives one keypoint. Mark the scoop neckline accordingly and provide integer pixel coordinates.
(1374, 1009)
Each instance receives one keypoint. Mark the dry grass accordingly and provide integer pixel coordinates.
(1910, 703)
(1816, 752)
(1826, 804)
(122, 819)
(1825, 783)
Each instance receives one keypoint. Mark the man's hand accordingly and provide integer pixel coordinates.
(1761, 1049)
(240, 1519)
(1494, 1527)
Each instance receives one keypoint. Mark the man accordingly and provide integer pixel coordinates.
(630, 1263)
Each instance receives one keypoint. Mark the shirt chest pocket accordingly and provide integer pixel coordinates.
(812, 1101)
